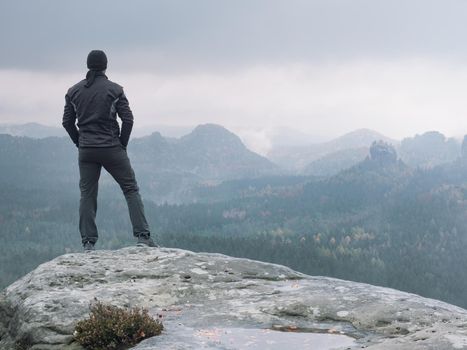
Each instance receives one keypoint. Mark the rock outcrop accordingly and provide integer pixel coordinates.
(464, 148)
(211, 301)
(383, 153)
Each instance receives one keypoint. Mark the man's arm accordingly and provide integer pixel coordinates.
(69, 120)
(125, 114)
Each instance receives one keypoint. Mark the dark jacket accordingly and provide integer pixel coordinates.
(96, 108)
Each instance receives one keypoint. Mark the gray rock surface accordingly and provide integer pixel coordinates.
(203, 296)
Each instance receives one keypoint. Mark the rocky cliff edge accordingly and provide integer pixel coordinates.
(204, 297)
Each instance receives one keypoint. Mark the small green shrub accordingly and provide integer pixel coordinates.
(109, 327)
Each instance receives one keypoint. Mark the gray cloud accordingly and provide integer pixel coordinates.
(399, 98)
(178, 35)
(323, 67)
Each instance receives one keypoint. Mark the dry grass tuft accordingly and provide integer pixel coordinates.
(110, 328)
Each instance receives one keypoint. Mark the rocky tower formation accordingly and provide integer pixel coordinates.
(464, 148)
(203, 297)
(383, 153)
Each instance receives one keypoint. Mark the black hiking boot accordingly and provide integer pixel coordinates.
(145, 241)
(88, 247)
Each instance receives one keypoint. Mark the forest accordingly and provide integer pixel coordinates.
(380, 222)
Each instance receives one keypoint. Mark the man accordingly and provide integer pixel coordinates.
(96, 102)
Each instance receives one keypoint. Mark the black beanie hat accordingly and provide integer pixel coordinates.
(97, 60)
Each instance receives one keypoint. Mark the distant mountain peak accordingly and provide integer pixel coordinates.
(213, 135)
(210, 127)
(31, 129)
(362, 137)
(211, 130)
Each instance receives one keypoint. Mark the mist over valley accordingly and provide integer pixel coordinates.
(361, 207)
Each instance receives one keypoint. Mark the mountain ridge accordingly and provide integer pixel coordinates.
(298, 158)
(167, 168)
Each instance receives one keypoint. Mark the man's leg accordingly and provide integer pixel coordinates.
(118, 165)
(88, 184)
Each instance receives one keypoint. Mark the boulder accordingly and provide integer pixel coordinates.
(213, 301)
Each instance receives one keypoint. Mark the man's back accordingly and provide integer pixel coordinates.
(96, 108)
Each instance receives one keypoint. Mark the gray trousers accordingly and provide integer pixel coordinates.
(115, 160)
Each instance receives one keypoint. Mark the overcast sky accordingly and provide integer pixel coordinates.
(322, 67)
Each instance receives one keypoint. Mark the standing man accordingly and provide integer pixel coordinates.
(96, 102)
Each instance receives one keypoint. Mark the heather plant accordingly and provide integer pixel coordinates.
(110, 328)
